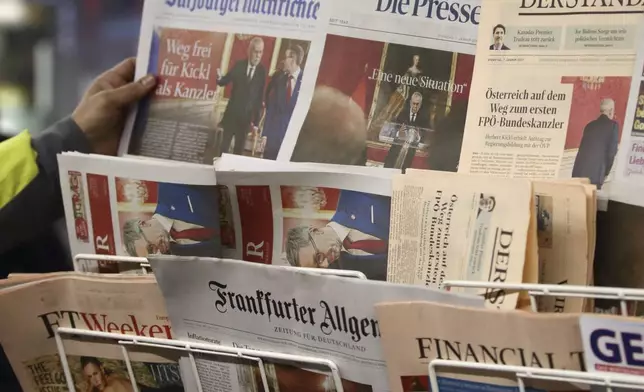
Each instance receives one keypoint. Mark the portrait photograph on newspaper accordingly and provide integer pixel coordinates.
(412, 100)
(218, 93)
(91, 373)
(134, 207)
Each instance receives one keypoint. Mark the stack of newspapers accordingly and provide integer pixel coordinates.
(411, 143)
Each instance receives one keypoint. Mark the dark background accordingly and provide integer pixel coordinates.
(48, 56)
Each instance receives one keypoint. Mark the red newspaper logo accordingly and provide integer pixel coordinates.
(256, 217)
(78, 206)
(99, 206)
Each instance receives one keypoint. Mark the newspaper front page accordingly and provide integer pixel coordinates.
(550, 88)
(291, 311)
(307, 218)
(448, 226)
(232, 76)
(563, 237)
(629, 179)
(439, 331)
(394, 73)
(135, 207)
(32, 311)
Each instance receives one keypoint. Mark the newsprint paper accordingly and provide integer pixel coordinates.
(448, 226)
(292, 311)
(135, 207)
(396, 74)
(550, 88)
(438, 331)
(307, 218)
(628, 185)
(232, 76)
(32, 311)
(564, 236)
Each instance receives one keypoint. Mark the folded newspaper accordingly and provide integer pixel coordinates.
(285, 310)
(135, 207)
(550, 88)
(448, 226)
(440, 331)
(333, 218)
(232, 76)
(394, 78)
(33, 308)
(564, 236)
(309, 81)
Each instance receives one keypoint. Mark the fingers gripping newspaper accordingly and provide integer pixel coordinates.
(308, 218)
(448, 226)
(292, 311)
(135, 207)
(33, 309)
(232, 76)
(550, 88)
(394, 75)
(439, 331)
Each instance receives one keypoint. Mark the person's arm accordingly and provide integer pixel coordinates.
(30, 194)
(224, 80)
(30, 197)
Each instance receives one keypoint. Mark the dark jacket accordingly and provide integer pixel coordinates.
(30, 205)
(597, 150)
(246, 98)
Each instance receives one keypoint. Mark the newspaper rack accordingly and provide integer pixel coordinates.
(191, 348)
(607, 380)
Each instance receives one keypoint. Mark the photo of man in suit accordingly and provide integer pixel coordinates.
(356, 237)
(598, 146)
(281, 96)
(185, 223)
(414, 122)
(244, 108)
(498, 34)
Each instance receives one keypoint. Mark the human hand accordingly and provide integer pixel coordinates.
(103, 109)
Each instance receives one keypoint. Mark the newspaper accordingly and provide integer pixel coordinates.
(232, 76)
(395, 75)
(612, 344)
(551, 85)
(630, 168)
(32, 311)
(231, 162)
(563, 237)
(448, 226)
(307, 218)
(135, 207)
(439, 331)
(290, 311)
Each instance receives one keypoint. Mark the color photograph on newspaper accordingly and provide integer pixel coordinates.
(320, 228)
(412, 102)
(218, 92)
(102, 374)
(164, 218)
(595, 125)
(288, 378)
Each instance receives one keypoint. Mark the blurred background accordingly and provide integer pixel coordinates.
(51, 49)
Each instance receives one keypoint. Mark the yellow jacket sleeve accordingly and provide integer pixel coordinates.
(18, 166)
(30, 197)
